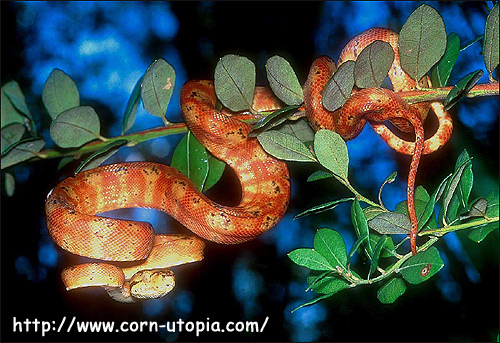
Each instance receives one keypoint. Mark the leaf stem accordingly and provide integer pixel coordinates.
(380, 196)
(438, 233)
(358, 195)
(165, 121)
(395, 267)
(430, 94)
(175, 128)
(132, 139)
(444, 230)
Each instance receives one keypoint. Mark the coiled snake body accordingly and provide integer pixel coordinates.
(376, 105)
(71, 207)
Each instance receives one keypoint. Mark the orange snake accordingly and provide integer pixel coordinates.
(71, 207)
(376, 105)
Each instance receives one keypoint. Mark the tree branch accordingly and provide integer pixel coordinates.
(488, 89)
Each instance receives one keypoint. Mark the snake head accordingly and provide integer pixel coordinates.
(151, 284)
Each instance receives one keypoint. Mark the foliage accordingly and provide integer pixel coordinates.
(75, 131)
(480, 216)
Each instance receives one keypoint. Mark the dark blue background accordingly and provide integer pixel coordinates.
(105, 47)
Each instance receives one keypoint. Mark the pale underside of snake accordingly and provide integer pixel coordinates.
(71, 207)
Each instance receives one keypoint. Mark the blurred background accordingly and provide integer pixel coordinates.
(106, 47)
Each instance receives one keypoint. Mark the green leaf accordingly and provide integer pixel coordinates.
(361, 227)
(338, 89)
(442, 71)
(391, 177)
(75, 127)
(234, 82)
(322, 208)
(309, 258)
(376, 254)
(11, 134)
(59, 93)
(311, 302)
(461, 197)
(273, 123)
(10, 114)
(9, 184)
(14, 108)
(480, 233)
(490, 43)
(157, 87)
(451, 187)
(466, 180)
(215, 170)
(331, 152)
(319, 175)
(96, 158)
(422, 266)
(22, 151)
(285, 146)
(283, 81)
(429, 207)
(300, 129)
(390, 223)
(373, 64)
(421, 195)
(16, 97)
(329, 284)
(388, 247)
(461, 88)
(422, 41)
(355, 248)
(315, 276)
(264, 122)
(132, 104)
(477, 209)
(330, 244)
(492, 209)
(421, 200)
(388, 293)
(191, 159)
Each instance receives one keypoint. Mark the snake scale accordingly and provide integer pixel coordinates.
(71, 207)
